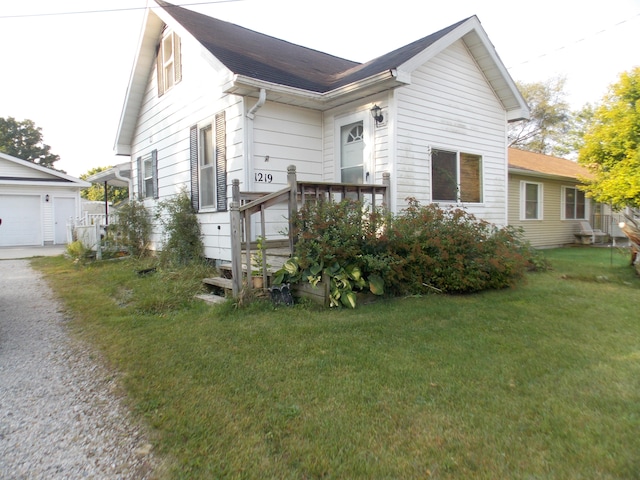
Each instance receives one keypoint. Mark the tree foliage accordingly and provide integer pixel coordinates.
(96, 192)
(550, 120)
(610, 148)
(22, 139)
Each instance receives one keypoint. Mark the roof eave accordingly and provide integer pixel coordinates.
(532, 173)
(383, 81)
(145, 56)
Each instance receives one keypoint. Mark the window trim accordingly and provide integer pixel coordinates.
(563, 204)
(150, 158)
(174, 61)
(458, 158)
(217, 126)
(523, 201)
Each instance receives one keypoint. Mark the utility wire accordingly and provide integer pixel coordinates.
(604, 30)
(127, 9)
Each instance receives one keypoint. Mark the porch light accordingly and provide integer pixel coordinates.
(376, 113)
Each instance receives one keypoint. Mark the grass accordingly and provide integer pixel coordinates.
(539, 381)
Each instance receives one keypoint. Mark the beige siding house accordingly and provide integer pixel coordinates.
(545, 199)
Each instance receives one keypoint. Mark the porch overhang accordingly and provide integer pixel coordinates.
(382, 82)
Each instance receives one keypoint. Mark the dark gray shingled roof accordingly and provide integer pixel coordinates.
(255, 55)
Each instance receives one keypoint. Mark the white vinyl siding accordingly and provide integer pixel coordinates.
(450, 106)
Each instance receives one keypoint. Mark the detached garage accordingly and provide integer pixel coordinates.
(35, 203)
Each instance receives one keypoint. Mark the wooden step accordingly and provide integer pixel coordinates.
(211, 298)
(219, 282)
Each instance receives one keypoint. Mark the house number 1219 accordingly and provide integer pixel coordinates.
(263, 177)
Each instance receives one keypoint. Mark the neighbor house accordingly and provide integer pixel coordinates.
(36, 203)
(210, 102)
(546, 201)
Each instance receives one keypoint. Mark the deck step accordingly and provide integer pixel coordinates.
(220, 282)
(210, 298)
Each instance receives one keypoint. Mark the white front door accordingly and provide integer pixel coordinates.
(64, 209)
(352, 164)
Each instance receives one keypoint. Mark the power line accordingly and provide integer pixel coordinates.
(604, 30)
(128, 9)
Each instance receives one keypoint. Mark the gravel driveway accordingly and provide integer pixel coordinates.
(60, 411)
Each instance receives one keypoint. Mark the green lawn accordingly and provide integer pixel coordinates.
(539, 381)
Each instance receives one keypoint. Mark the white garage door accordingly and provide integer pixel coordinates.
(21, 220)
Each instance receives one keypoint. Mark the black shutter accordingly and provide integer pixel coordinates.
(193, 160)
(221, 162)
(154, 172)
(140, 179)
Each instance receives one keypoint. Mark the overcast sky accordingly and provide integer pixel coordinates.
(69, 73)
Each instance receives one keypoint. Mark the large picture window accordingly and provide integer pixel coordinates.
(574, 204)
(456, 177)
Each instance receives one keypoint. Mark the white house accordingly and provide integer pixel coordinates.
(35, 203)
(209, 102)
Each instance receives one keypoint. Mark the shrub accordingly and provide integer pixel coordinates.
(184, 238)
(450, 250)
(134, 227)
(425, 248)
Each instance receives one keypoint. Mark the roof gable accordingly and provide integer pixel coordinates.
(303, 76)
(538, 164)
(17, 171)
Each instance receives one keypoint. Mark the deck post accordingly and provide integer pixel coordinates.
(293, 203)
(236, 239)
(386, 200)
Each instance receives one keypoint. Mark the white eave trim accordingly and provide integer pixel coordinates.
(239, 84)
(532, 173)
(79, 184)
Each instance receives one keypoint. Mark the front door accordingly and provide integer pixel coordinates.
(352, 165)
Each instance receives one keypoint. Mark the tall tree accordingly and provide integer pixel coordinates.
(24, 140)
(550, 117)
(611, 145)
(96, 192)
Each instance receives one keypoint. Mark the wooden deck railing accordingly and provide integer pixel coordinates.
(246, 204)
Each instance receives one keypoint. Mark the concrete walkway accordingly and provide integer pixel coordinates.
(13, 253)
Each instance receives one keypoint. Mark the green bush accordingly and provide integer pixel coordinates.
(184, 238)
(423, 249)
(133, 227)
(450, 250)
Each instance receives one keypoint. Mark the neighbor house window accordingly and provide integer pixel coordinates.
(209, 165)
(456, 177)
(574, 204)
(148, 175)
(530, 201)
(169, 66)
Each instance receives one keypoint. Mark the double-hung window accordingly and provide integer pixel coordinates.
(574, 204)
(169, 66)
(148, 175)
(530, 201)
(209, 165)
(456, 177)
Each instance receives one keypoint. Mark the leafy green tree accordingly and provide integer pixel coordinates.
(96, 192)
(24, 140)
(550, 117)
(611, 148)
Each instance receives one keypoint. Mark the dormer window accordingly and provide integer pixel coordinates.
(169, 66)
